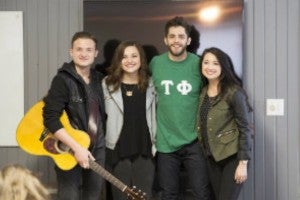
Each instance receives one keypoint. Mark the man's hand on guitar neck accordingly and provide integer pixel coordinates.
(81, 154)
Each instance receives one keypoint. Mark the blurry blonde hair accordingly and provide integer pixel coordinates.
(19, 183)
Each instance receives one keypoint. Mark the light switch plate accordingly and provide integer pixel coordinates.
(275, 107)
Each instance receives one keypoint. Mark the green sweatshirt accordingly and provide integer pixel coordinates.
(178, 86)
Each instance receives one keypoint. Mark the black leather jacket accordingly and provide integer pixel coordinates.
(67, 92)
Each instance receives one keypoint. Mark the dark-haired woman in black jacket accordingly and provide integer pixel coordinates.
(223, 124)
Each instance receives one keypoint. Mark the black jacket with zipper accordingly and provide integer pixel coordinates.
(67, 92)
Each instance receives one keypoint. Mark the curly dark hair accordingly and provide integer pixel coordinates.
(177, 21)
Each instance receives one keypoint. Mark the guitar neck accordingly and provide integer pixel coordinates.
(107, 176)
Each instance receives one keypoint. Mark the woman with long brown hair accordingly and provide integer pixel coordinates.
(130, 106)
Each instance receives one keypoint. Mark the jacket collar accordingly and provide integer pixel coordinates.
(204, 93)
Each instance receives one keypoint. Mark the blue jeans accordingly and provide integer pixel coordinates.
(190, 158)
(79, 183)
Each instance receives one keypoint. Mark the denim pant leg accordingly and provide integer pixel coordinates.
(196, 168)
(122, 171)
(168, 165)
(138, 172)
(69, 183)
(92, 182)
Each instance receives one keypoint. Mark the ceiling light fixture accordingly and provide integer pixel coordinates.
(209, 14)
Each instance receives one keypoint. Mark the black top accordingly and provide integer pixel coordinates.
(207, 102)
(135, 137)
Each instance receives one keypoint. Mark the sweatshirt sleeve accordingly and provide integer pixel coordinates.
(55, 102)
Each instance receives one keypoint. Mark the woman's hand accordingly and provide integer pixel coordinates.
(240, 175)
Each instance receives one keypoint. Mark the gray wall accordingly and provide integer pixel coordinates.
(271, 70)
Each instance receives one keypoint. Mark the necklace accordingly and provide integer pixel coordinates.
(128, 92)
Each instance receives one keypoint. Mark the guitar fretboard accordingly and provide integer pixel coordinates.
(106, 175)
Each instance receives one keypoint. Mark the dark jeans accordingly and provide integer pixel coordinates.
(79, 183)
(190, 158)
(221, 175)
(138, 172)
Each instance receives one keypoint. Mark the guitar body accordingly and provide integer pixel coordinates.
(30, 130)
(35, 139)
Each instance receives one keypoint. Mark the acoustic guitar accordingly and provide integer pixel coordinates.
(35, 139)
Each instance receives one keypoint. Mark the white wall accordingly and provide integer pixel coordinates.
(12, 79)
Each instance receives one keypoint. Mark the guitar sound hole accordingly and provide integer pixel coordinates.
(54, 146)
(62, 147)
(49, 145)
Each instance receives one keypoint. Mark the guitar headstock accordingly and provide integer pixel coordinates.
(135, 194)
